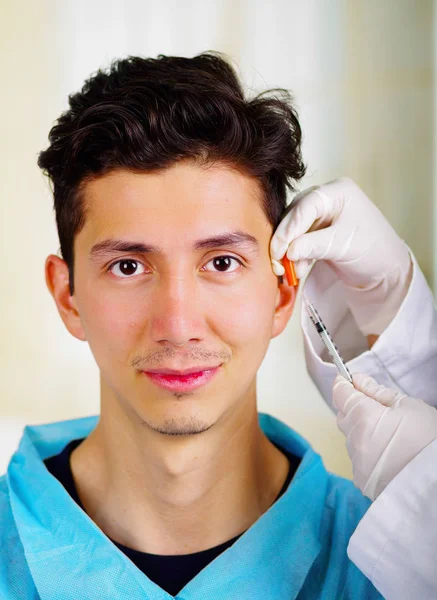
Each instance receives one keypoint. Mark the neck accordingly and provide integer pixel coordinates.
(177, 494)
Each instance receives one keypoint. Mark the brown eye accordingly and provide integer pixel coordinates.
(126, 268)
(223, 264)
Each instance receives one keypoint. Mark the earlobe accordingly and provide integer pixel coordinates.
(285, 301)
(58, 280)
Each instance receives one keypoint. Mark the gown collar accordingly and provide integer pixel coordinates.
(70, 557)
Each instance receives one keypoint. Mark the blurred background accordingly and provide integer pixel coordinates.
(363, 75)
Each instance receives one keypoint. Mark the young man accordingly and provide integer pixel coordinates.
(168, 185)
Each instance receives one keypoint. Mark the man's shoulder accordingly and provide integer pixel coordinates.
(344, 507)
(15, 578)
(343, 495)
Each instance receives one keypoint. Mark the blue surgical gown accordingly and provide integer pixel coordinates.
(51, 550)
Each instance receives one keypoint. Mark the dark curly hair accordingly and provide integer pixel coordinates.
(146, 114)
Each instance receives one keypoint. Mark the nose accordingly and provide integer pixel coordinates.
(177, 314)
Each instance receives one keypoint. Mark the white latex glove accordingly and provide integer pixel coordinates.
(384, 429)
(337, 222)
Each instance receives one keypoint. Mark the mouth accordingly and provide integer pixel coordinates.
(182, 381)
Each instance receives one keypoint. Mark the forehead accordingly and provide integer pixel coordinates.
(182, 202)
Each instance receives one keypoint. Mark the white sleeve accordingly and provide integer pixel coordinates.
(395, 542)
(405, 355)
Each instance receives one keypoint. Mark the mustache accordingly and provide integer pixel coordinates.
(190, 357)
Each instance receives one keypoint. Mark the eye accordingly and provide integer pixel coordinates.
(126, 268)
(223, 264)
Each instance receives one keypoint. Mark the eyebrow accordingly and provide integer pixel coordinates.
(234, 239)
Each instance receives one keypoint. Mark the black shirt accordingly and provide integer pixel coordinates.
(171, 573)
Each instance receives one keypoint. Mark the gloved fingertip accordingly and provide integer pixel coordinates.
(277, 268)
(301, 268)
(361, 380)
(278, 247)
(340, 380)
(345, 397)
(298, 249)
(292, 254)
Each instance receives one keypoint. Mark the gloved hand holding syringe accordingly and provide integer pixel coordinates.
(339, 224)
(378, 453)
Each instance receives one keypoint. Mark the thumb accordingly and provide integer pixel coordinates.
(319, 245)
(342, 393)
(355, 409)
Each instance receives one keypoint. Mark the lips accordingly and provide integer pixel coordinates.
(180, 373)
(182, 381)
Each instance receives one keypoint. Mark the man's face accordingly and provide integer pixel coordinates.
(197, 292)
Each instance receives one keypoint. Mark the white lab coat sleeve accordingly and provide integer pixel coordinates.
(405, 355)
(395, 542)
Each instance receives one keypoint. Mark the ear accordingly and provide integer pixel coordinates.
(285, 300)
(58, 283)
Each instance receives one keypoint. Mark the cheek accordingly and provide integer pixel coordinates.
(244, 319)
(112, 324)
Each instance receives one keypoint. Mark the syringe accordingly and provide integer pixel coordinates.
(327, 340)
(317, 322)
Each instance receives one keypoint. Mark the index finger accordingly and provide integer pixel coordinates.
(297, 221)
